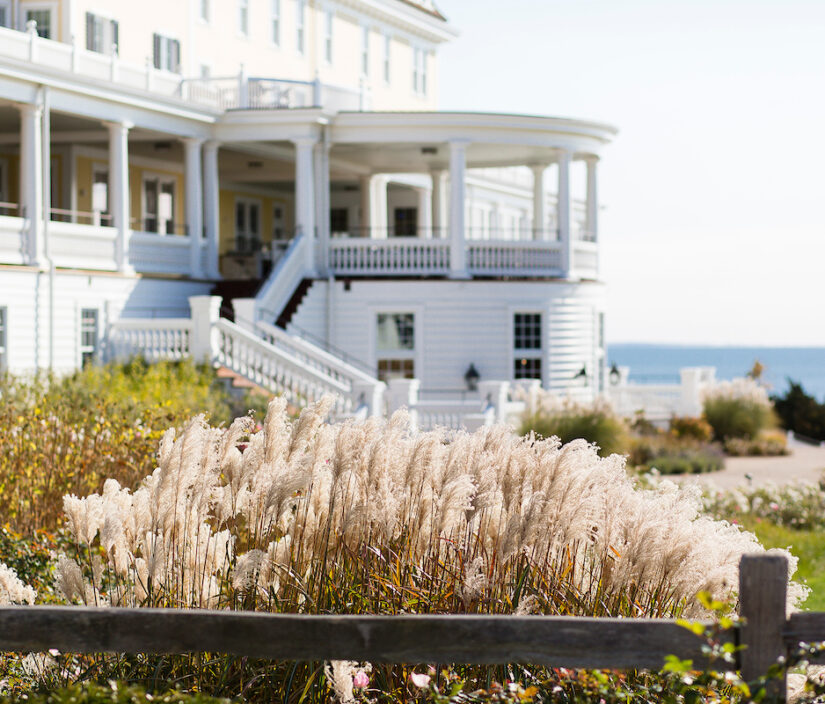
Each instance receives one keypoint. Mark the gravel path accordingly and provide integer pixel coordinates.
(805, 463)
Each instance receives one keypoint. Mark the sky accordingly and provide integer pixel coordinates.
(713, 193)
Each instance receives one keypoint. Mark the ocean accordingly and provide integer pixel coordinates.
(650, 363)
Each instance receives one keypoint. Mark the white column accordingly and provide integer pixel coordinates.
(539, 202)
(439, 207)
(211, 208)
(366, 206)
(563, 217)
(378, 219)
(305, 196)
(31, 179)
(119, 191)
(592, 199)
(458, 168)
(322, 200)
(194, 202)
(425, 213)
(205, 312)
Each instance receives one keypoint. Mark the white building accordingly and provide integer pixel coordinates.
(289, 151)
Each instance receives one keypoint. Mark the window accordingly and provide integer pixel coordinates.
(276, 22)
(328, 20)
(527, 339)
(243, 17)
(247, 225)
(166, 53)
(277, 222)
(88, 335)
(420, 71)
(159, 205)
(204, 10)
(339, 220)
(395, 345)
(4, 324)
(406, 222)
(365, 51)
(5, 13)
(300, 19)
(101, 34)
(43, 18)
(387, 50)
(100, 196)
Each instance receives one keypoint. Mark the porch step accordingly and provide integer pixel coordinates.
(241, 383)
(232, 289)
(292, 305)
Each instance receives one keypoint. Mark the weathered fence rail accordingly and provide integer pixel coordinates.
(559, 641)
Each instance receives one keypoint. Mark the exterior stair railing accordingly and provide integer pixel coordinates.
(284, 279)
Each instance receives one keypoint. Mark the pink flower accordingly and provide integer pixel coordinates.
(420, 681)
(360, 680)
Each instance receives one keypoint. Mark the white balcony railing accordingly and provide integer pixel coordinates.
(391, 257)
(155, 339)
(513, 257)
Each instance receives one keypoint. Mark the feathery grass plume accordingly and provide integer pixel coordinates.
(374, 517)
(12, 589)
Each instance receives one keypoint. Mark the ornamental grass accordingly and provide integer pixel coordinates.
(376, 518)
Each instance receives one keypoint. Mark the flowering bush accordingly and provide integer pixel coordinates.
(766, 444)
(800, 506)
(686, 427)
(738, 409)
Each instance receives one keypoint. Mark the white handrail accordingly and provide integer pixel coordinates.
(284, 279)
(272, 368)
(313, 355)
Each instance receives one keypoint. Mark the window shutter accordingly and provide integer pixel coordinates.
(115, 37)
(156, 50)
(175, 55)
(90, 32)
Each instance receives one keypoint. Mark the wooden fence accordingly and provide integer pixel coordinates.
(558, 641)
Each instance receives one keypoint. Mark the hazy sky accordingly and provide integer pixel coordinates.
(714, 191)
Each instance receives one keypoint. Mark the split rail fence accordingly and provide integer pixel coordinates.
(558, 641)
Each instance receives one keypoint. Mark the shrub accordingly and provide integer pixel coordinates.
(800, 412)
(691, 428)
(767, 444)
(800, 506)
(596, 423)
(689, 460)
(738, 409)
(67, 435)
(372, 517)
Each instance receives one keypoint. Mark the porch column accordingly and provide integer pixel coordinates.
(425, 213)
(31, 179)
(439, 206)
(458, 168)
(539, 202)
(305, 195)
(592, 200)
(211, 208)
(322, 200)
(119, 191)
(378, 212)
(563, 216)
(194, 202)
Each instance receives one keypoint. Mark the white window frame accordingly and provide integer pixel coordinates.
(329, 28)
(416, 354)
(82, 349)
(515, 353)
(387, 68)
(161, 179)
(4, 338)
(275, 23)
(365, 50)
(243, 17)
(50, 7)
(109, 43)
(204, 11)
(6, 5)
(420, 78)
(97, 217)
(166, 41)
(300, 26)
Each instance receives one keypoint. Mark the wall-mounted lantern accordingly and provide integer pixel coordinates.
(471, 378)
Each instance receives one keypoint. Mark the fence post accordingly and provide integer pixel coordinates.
(763, 583)
(369, 395)
(404, 393)
(206, 311)
(494, 395)
(244, 309)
